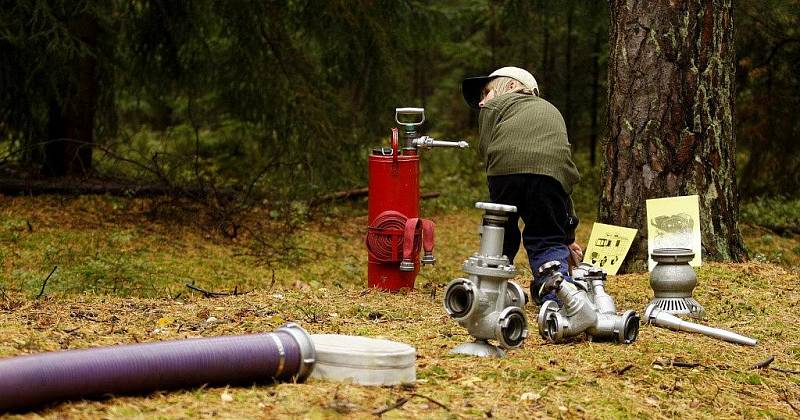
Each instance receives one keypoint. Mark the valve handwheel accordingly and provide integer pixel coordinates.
(549, 268)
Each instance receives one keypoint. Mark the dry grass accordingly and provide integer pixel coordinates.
(579, 379)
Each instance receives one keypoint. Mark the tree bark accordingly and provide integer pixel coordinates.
(544, 73)
(568, 106)
(71, 117)
(595, 99)
(670, 119)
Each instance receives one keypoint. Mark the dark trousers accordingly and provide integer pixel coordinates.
(544, 208)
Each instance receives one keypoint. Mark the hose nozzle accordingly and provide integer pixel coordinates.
(660, 318)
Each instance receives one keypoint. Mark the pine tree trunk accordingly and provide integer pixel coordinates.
(670, 119)
(71, 117)
(595, 99)
(545, 75)
(569, 116)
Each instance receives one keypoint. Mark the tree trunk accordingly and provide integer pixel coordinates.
(544, 76)
(568, 106)
(670, 119)
(71, 117)
(753, 183)
(595, 99)
(493, 29)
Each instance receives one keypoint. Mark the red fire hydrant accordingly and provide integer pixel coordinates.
(396, 233)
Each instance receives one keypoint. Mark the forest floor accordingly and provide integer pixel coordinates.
(121, 272)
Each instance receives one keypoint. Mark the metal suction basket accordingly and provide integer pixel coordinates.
(673, 281)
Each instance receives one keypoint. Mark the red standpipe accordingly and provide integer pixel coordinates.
(394, 201)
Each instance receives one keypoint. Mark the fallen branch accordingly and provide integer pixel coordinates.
(764, 363)
(212, 294)
(675, 363)
(340, 195)
(44, 283)
(402, 401)
(399, 403)
(782, 230)
(96, 187)
(793, 372)
(431, 400)
(622, 371)
(357, 193)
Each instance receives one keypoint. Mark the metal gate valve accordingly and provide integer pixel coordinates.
(486, 303)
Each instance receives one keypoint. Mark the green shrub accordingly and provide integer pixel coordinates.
(778, 213)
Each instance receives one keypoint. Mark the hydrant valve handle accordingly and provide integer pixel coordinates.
(496, 207)
(416, 116)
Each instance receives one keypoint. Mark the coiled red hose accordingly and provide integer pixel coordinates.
(385, 237)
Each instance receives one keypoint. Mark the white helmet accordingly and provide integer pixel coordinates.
(471, 87)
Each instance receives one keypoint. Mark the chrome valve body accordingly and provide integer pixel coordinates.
(486, 303)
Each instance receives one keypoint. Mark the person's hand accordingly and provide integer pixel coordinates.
(575, 254)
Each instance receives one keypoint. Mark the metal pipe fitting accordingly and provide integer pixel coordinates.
(429, 142)
(463, 298)
(577, 313)
(620, 328)
(511, 328)
(410, 119)
(586, 308)
(661, 318)
(596, 278)
(486, 303)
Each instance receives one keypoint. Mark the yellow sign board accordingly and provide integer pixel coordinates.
(674, 222)
(608, 245)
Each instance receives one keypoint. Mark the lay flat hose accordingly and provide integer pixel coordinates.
(385, 237)
(29, 381)
(427, 238)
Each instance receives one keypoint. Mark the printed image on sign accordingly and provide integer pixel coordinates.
(608, 245)
(674, 223)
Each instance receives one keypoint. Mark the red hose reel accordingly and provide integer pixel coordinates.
(394, 238)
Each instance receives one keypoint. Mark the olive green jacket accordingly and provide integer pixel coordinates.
(525, 134)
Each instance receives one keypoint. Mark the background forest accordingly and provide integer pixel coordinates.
(174, 169)
(249, 94)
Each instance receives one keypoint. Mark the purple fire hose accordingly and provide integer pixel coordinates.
(29, 381)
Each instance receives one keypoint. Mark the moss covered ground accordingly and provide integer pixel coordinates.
(121, 275)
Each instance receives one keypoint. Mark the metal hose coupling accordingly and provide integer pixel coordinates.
(586, 308)
(486, 303)
(661, 318)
